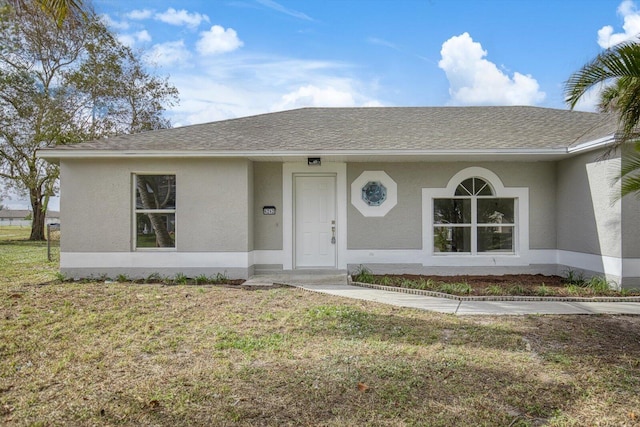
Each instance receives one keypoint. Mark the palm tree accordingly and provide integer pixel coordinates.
(618, 70)
(58, 9)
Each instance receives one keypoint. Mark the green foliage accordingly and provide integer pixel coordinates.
(517, 289)
(543, 291)
(362, 274)
(153, 278)
(386, 281)
(180, 279)
(407, 283)
(349, 320)
(459, 288)
(574, 290)
(219, 278)
(229, 339)
(87, 85)
(425, 284)
(574, 278)
(616, 73)
(599, 285)
(201, 279)
(122, 278)
(495, 290)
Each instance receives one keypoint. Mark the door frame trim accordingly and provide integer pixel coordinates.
(289, 170)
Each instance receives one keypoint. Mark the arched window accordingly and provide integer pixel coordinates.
(473, 220)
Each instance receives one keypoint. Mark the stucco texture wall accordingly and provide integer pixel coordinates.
(212, 197)
(401, 228)
(631, 227)
(589, 217)
(267, 186)
(631, 223)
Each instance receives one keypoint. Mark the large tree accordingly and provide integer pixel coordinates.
(616, 71)
(63, 82)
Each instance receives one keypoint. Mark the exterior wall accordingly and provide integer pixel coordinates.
(267, 186)
(250, 207)
(588, 215)
(590, 227)
(631, 227)
(220, 227)
(401, 228)
(213, 215)
(631, 240)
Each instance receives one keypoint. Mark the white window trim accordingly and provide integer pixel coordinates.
(362, 206)
(520, 254)
(134, 236)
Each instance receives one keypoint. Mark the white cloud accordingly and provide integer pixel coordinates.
(131, 39)
(222, 87)
(170, 53)
(590, 100)
(313, 96)
(139, 14)
(475, 81)
(218, 40)
(280, 8)
(631, 26)
(143, 36)
(113, 24)
(181, 17)
(382, 42)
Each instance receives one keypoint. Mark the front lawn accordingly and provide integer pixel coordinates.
(149, 354)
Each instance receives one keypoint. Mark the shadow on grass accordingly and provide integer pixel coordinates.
(182, 356)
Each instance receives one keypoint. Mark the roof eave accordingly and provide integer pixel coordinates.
(83, 154)
(592, 145)
(54, 155)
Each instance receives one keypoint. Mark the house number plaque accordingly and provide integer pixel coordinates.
(268, 210)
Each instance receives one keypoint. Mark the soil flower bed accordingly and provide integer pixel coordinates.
(507, 285)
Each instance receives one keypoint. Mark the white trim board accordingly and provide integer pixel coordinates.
(154, 259)
(610, 266)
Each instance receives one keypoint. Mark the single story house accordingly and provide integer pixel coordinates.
(22, 218)
(433, 190)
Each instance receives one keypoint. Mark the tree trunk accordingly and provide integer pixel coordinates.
(37, 222)
(163, 238)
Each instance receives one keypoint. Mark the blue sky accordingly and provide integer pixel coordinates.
(233, 58)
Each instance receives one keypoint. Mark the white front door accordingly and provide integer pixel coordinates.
(315, 221)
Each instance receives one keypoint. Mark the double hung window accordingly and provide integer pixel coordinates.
(155, 211)
(474, 221)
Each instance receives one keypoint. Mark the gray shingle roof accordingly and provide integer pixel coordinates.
(367, 129)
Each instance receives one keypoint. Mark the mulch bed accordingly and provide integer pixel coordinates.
(527, 284)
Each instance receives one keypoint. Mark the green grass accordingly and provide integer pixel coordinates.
(23, 260)
(128, 354)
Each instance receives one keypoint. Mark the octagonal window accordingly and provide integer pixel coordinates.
(374, 193)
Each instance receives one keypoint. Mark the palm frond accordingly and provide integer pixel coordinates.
(61, 9)
(623, 60)
(630, 172)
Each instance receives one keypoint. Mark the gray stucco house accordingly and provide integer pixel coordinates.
(434, 190)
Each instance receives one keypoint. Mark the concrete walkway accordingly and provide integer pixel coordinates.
(336, 284)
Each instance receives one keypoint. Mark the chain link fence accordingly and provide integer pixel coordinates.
(53, 242)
